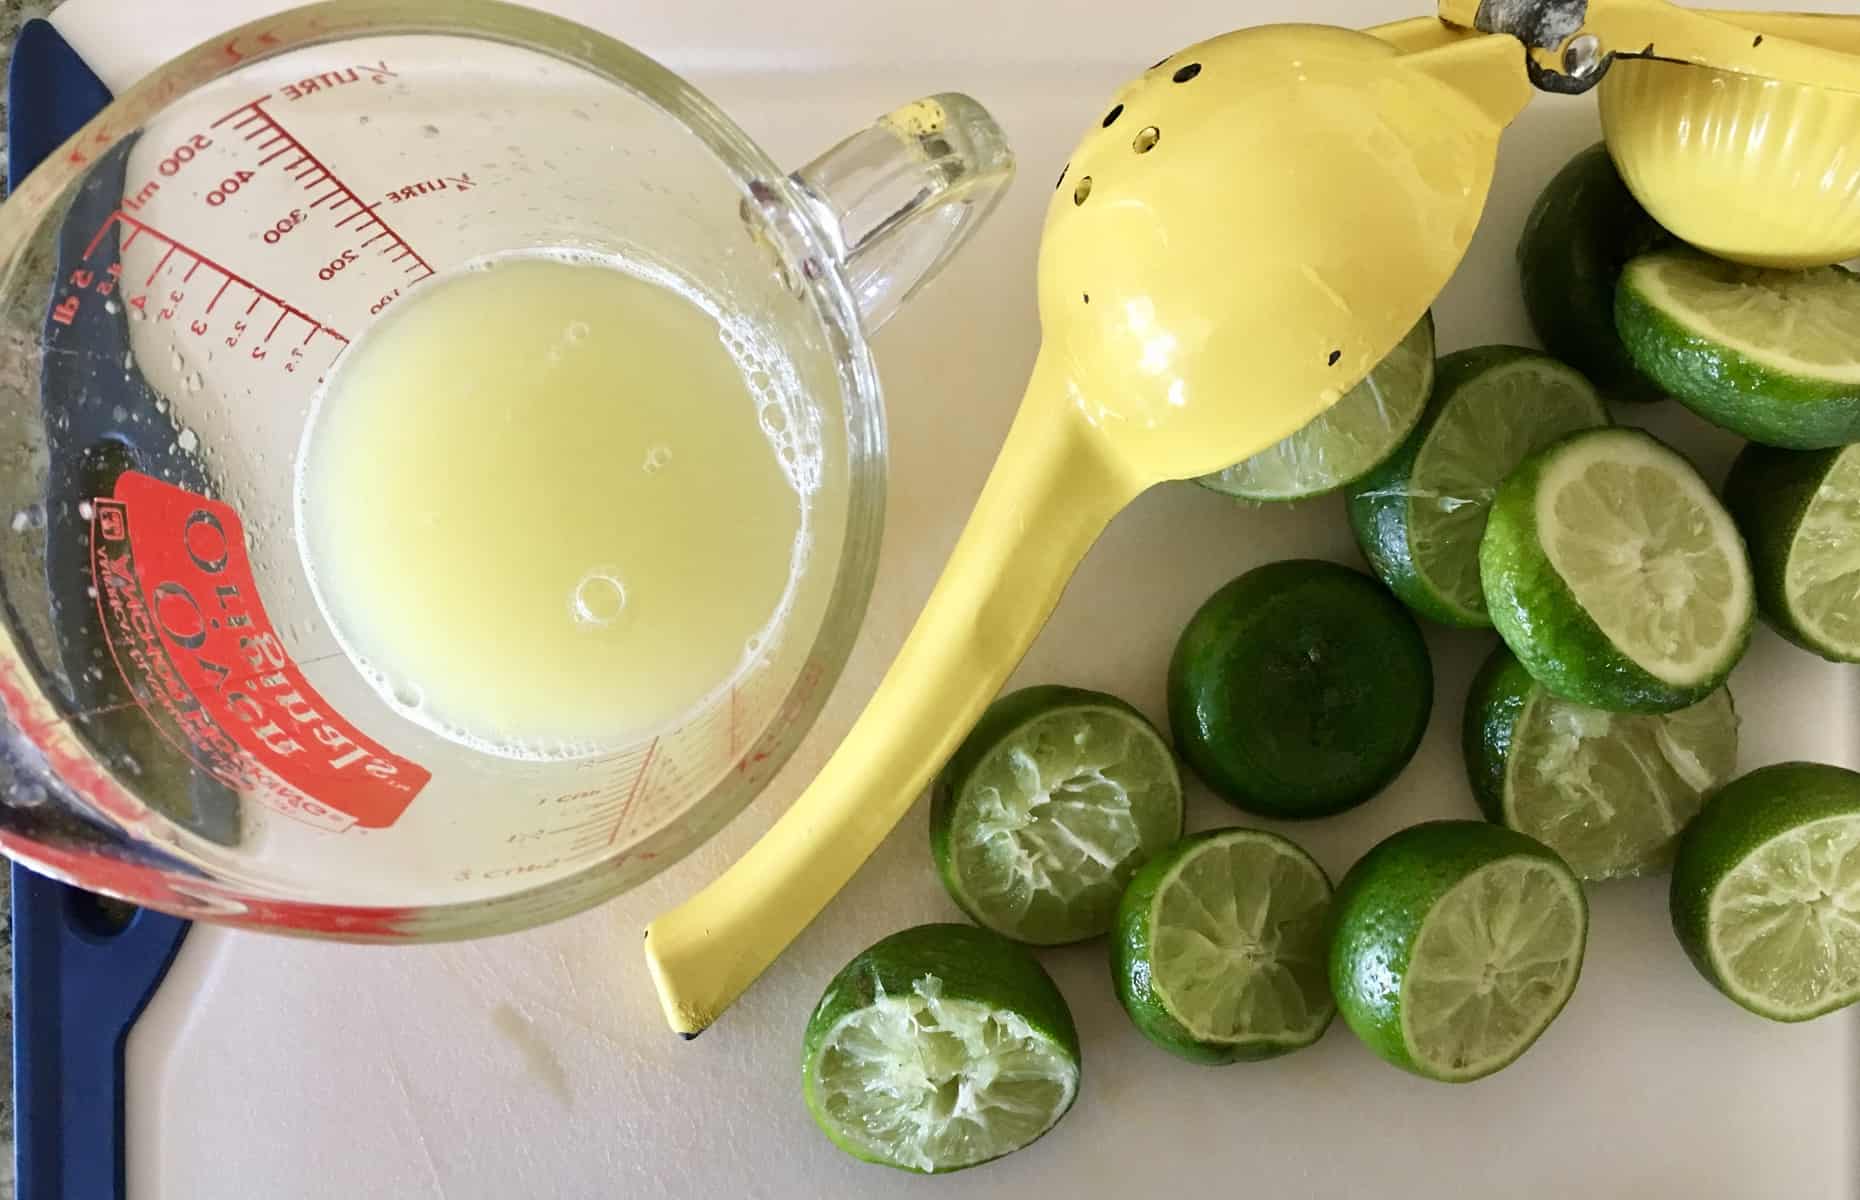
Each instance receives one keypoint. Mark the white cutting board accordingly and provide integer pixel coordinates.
(537, 1065)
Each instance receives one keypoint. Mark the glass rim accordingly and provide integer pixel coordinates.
(67, 764)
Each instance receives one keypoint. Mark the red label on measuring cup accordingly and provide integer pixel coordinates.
(184, 619)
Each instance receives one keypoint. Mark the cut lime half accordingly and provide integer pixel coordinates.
(1419, 515)
(1773, 355)
(1615, 575)
(1799, 511)
(1219, 949)
(1348, 439)
(1455, 944)
(1766, 890)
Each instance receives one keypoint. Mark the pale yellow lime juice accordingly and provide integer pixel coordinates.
(552, 505)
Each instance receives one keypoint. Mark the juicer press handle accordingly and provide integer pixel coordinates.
(1051, 493)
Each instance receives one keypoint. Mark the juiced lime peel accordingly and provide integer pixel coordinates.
(939, 1048)
(1607, 791)
(1046, 810)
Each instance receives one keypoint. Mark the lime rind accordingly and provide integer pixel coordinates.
(1049, 822)
(1300, 689)
(1238, 946)
(1495, 960)
(1784, 927)
(1454, 945)
(1347, 440)
(930, 1083)
(1584, 228)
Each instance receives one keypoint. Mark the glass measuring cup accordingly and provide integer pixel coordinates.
(181, 727)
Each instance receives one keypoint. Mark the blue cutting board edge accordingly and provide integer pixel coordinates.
(77, 987)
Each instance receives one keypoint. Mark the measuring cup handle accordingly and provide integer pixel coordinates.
(903, 194)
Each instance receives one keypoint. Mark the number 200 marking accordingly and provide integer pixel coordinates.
(336, 264)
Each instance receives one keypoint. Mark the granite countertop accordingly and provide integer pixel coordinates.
(12, 14)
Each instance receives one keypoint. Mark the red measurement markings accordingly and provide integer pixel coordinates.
(639, 785)
(160, 265)
(275, 141)
(230, 278)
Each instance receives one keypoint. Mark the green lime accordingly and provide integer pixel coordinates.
(1048, 808)
(1773, 355)
(1454, 944)
(1615, 575)
(1799, 511)
(1419, 515)
(1347, 440)
(1299, 689)
(1585, 227)
(1218, 953)
(1609, 792)
(1766, 890)
(939, 1048)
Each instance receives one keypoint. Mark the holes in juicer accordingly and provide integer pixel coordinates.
(1184, 74)
(1061, 182)
(1146, 139)
(1082, 192)
(1110, 118)
(1334, 356)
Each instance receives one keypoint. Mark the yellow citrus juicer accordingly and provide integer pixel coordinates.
(1245, 230)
